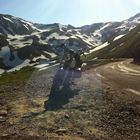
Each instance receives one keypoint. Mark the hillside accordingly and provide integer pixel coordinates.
(23, 43)
(103, 103)
(127, 46)
(35, 42)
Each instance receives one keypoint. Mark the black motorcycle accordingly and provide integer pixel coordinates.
(64, 77)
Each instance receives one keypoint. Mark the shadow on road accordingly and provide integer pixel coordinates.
(55, 102)
(61, 98)
(61, 90)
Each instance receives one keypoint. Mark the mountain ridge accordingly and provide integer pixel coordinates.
(22, 41)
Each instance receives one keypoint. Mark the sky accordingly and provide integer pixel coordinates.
(74, 12)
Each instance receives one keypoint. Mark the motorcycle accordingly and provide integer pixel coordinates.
(64, 77)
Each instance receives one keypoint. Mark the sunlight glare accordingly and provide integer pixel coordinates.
(137, 2)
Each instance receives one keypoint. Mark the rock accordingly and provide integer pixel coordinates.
(1, 91)
(11, 123)
(23, 128)
(2, 103)
(61, 130)
(2, 119)
(83, 109)
(15, 88)
(28, 115)
(5, 135)
(108, 88)
(79, 132)
(3, 113)
(50, 130)
(67, 116)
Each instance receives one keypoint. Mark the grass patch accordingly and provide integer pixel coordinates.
(126, 47)
(16, 76)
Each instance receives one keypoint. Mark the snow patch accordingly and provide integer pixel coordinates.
(40, 66)
(121, 44)
(26, 22)
(57, 36)
(47, 67)
(5, 53)
(20, 66)
(51, 54)
(39, 57)
(31, 24)
(99, 47)
(105, 26)
(26, 26)
(8, 19)
(118, 37)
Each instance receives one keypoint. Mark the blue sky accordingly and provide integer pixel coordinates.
(75, 12)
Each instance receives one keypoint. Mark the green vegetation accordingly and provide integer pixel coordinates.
(2, 36)
(125, 47)
(16, 76)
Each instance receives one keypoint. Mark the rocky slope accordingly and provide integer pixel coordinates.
(13, 25)
(105, 31)
(127, 46)
(24, 43)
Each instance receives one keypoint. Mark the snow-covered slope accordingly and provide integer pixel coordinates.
(10, 25)
(124, 46)
(105, 31)
(23, 42)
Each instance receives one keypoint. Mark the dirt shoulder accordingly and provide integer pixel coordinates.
(91, 108)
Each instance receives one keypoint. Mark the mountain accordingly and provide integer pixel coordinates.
(13, 25)
(126, 46)
(25, 43)
(105, 31)
(100, 32)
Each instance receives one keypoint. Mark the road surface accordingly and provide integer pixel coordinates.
(123, 75)
(104, 104)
